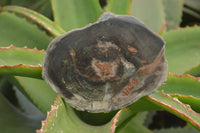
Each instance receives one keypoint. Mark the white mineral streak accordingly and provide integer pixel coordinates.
(98, 105)
(79, 97)
(107, 94)
(63, 80)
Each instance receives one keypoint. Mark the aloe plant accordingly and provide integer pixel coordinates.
(25, 35)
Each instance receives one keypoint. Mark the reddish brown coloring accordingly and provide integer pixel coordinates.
(131, 85)
(132, 49)
(105, 67)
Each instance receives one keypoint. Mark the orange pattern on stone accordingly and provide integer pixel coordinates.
(131, 85)
(105, 67)
(132, 49)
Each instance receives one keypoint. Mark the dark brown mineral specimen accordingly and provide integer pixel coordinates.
(107, 65)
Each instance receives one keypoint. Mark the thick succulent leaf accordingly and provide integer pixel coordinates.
(192, 8)
(183, 85)
(119, 6)
(143, 104)
(19, 2)
(62, 118)
(182, 49)
(62, 114)
(194, 4)
(122, 117)
(21, 70)
(41, 6)
(191, 12)
(46, 23)
(194, 71)
(185, 88)
(174, 106)
(24, 55)
(150, 12)
(141, 117)
(38, 91)
(134, 125)
(191, 100)
(12, 121)
(21, 61)
(17, 31)
(173, 13)
(71, 14)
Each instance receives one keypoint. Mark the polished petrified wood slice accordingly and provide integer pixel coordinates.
(106, 65)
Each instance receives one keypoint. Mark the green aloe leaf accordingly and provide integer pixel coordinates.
(37, 90)
(185, 88)
(193, 4)
(134, 125)
(194, 71)
(71, 14)
(173, 13)
(191, 100)
(62, 118)
(182, 49)
(41, 6)
(16, 30)
(19, 32)
(192, 8)
(118, 6)
(11, 120)
(174, 106)
(22, 70)
(46, 23)
(63, 114)
(30, 65)
(21, 61)
(183, 85)
(143, 104)
(150, 12)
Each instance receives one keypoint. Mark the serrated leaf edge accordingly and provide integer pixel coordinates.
(194, 67)
(178, 95)
(115, 120)
(54, 109)
(12, 47)
(21, 65)
(185, 75)
(186, 106)
(23, 48)
(164, 25)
